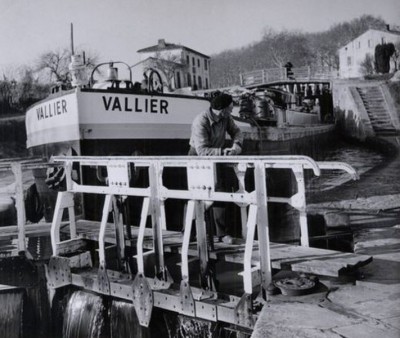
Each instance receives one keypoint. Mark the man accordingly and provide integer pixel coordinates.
(210, 127)
(208, 139)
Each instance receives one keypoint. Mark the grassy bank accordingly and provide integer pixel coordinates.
(13, 137)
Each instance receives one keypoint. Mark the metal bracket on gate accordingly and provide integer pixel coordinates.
(103, 281)
(142, 299)
(244, 312)
(58, 272)
(187, 300)
(163, 281)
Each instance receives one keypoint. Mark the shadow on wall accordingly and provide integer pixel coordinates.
(349, 124)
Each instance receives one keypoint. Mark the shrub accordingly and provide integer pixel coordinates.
(367, 66)
(383, 53)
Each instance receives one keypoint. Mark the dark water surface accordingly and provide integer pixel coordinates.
(359, 157)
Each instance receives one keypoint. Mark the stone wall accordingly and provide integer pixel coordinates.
(350, 114)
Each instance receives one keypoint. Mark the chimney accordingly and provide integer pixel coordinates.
(161, 43)
(388, 28)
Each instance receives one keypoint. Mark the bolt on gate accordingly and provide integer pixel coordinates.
(146, 292)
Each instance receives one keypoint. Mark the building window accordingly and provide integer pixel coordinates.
(178, 80)
(206, 84)
(187, 59)
(359, 45)
(189, 80)
(200, 82)
(193, 62)
(349, 60)
(198, 63)
(369, 44)
(194, 70)
(383, 40)
(205, 64)
(194, 87)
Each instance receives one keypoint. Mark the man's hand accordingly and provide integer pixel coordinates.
(235, 150)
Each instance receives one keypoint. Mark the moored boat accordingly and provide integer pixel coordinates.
(121, 117)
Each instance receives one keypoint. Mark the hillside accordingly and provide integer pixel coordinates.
(278, 47)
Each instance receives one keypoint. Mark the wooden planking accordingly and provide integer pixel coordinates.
(283, 256)
(306, 259)
(31, 230)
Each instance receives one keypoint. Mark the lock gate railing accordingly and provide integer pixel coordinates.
(146, 292)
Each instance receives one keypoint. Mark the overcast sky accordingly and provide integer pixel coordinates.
(116, 29)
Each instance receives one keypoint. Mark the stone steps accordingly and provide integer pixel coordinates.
(376, 107)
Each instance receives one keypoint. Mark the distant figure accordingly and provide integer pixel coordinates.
(289, 71)
(309, 92)
(326, 104)
(145, 83)
(209, 130)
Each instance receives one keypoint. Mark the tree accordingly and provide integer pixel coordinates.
(284, 46)
(396, 55)
(7, 88)
(167, 63)
(28, 89)
(56, 63)
(367, 65)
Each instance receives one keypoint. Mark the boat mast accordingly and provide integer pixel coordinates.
(72, 39)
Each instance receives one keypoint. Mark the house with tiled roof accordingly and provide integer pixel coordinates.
(354, 53)
(178, 65)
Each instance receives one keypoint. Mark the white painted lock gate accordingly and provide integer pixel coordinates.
(69, 255)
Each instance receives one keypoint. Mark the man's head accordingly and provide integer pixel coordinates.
(222, 103)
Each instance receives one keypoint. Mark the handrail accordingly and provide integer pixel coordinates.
(201, 180)
(275, 161)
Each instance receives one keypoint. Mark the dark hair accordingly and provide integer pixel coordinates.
(221, 101)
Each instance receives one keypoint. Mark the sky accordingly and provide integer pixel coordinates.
(116, 29)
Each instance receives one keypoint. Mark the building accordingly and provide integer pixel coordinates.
(354, 53)
(179, 66)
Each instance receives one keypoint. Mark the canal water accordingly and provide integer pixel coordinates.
(83, 314)
(359, 156)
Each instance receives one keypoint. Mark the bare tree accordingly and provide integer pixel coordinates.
(168, 64)
(285, 46)
(56, 64)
